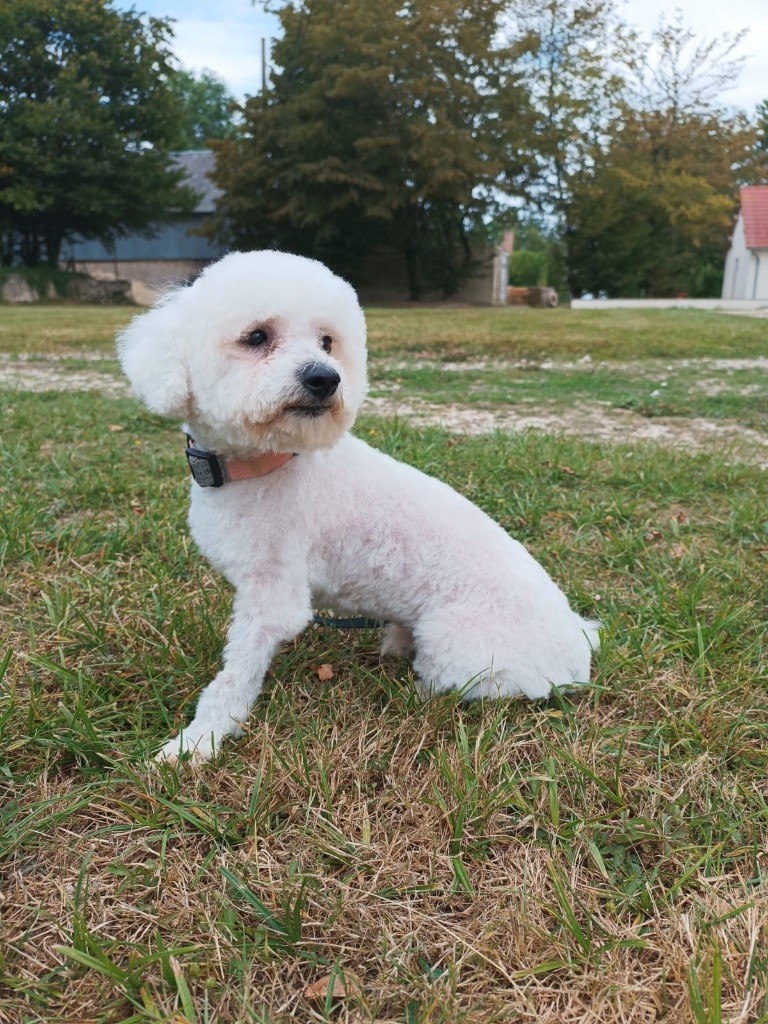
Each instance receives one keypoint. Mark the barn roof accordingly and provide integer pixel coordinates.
(197, 165)
(754, 209)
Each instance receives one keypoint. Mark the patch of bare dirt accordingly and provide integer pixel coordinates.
(51, 374)
(648, 368)
(88, 355)
(595, 422)
(592, 421)
(711, 387)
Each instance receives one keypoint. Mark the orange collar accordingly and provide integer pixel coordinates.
(211, 470)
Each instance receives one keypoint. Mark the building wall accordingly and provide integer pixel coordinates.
(153, 264)
(174, 239)
(760, 273)
(736, 263)
(383, 280)
(746, 270)
(148, 278)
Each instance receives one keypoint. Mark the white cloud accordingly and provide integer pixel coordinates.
(224, 37)
(232, 49)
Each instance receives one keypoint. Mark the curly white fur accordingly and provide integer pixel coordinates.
(342, 525)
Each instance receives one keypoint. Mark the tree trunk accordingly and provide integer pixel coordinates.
(29, 248)
(412, 270)
(53, 240)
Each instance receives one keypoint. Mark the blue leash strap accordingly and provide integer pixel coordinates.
(357, 622)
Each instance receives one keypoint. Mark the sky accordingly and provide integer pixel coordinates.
(225, 36)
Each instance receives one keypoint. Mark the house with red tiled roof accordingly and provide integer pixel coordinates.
(746, 265)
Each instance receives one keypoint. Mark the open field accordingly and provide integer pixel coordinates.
(446, 333)
(691, 380)
(359, 856)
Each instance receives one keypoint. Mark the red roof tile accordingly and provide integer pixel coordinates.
(754, 207)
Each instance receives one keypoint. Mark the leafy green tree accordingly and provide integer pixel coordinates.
(761, 115)
(207, 109)
(651, 215)
(387, 124)
(653, 218)
(572, 66)
(538, 257)
(528, 268)
(678, 72)
(86, 116)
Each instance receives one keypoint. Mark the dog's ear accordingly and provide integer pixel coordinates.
(152, 352)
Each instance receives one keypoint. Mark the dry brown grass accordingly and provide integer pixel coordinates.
(360, 856)
(354, 831)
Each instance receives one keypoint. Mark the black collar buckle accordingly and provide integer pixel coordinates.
(207, 468)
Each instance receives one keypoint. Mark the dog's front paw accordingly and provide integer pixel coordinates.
(188, 747)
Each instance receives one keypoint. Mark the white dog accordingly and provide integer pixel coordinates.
(264, 357)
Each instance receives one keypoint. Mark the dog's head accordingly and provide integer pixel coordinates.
(264, 352)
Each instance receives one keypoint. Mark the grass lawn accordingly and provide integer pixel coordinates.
(439, 334)
(360, 856)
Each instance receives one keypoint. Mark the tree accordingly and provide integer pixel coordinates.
(86, 115)
(762, 127)
(538, 257)
(207, 109)
(651, 216)
(387, 123)
(677, 72)
(572, 67)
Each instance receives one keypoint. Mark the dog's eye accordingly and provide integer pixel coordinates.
(256, 338)
(326, 342)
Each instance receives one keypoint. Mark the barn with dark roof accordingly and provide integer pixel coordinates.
(174, 252)
(171, 253)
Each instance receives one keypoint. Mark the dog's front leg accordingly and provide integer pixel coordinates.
(258, 627)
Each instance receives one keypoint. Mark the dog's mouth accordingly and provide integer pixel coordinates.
(311, 411)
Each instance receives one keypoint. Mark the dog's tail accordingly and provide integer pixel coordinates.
(591, 630)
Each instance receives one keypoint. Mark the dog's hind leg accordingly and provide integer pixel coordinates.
(396, 641)
(458, 649)
(258, 627)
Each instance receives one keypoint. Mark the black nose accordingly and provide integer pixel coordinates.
(319, 379)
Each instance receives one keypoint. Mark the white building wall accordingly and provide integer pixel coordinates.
(746, 270)
(761, 277)
(738, 277)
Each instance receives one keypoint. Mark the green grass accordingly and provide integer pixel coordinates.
(360, 856)
(516, 333)
(59, 330)
(513, 333)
